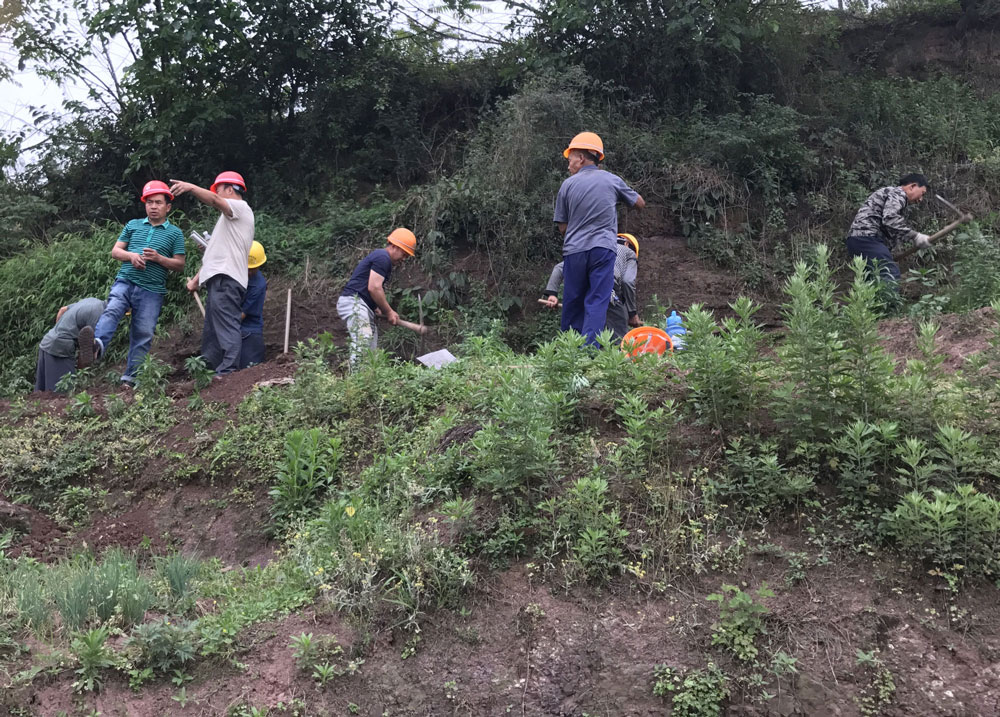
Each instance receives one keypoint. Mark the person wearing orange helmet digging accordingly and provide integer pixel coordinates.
(224, 271)
(363, 296)
(147, 248)
(586, 215)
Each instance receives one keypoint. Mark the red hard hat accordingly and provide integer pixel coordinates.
(229, 178)
(156, 187)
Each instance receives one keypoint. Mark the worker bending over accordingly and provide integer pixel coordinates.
(585, 214)
(879, 226)
(364, 294)
(224, 269)
(57, 354)
(252, 318)
(623, 310)
(147, 248)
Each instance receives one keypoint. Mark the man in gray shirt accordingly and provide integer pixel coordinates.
(57, 352)
(586, 215)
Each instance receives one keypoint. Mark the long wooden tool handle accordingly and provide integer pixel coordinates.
(543, 301)
(934, 237)
(288, 319)
(419, 328)
(197, 300)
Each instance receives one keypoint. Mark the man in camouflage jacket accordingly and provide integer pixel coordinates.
(879, 226)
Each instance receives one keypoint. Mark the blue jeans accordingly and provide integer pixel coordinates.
(878, 257)
(145, 307)
(588, 279)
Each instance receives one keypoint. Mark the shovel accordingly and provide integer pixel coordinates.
(963, 217)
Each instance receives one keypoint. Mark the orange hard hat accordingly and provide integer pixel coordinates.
(633, 241)
(156, 187)
(587, 141)
(229, 178)
(646, 340)
(404, 239)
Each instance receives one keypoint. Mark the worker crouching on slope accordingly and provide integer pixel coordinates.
(147, 249)
(57, 354)
(622, 310)
(879, 227)
(252, 319)
(224, 269)
(364, 294)
(585, 214)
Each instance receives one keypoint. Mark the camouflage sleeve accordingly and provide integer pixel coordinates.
(893, 222)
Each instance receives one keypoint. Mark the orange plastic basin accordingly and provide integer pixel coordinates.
(647, 340)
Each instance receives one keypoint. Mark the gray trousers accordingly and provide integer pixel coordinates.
(361, 329)
(50, 369)
(617, 320)
(221, 339)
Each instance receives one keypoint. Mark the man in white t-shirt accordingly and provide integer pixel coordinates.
(224, 269)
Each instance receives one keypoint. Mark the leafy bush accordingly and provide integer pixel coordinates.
(309, 470)
(164, 645)
(586, 526)
(724, 366)
(741, 620)
(364, 561)
(698, 693)
(953, 530)
(93, 655)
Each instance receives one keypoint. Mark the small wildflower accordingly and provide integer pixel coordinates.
(350, 511)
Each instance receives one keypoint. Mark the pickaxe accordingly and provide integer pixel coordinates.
(963, 217)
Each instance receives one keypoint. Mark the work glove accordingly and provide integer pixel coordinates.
(922, 241)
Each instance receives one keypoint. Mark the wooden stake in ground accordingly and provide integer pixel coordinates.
(288, 319)
(197, 300)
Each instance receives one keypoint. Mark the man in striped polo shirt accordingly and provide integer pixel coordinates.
(147, 249)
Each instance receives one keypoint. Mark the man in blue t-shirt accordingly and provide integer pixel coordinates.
(252, 319)
(147, 249)
(364, 295)
(586, 215)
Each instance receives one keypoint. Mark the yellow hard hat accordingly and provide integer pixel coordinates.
(404, 239)
(587, 141)
(633, 241)
(256, 257)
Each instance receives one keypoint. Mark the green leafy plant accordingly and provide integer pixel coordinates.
(93, 656)
(163, 645)
(741, 620)
(309, 469)
(697, 693)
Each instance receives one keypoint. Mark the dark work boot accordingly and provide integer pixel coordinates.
(87, 349)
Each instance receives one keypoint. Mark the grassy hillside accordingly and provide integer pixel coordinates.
(414, 511)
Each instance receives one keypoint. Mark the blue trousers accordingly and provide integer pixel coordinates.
(145, 307)
(877, 255)
(252, 352)
(588, 279)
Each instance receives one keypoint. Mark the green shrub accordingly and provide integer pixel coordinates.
(93, 656)
(698, 693)
(363, 561)
(585, 525)
(724, 365)
(741, 620)
(164, 645)
(178, 570)
(952, 530)
(309, 470)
